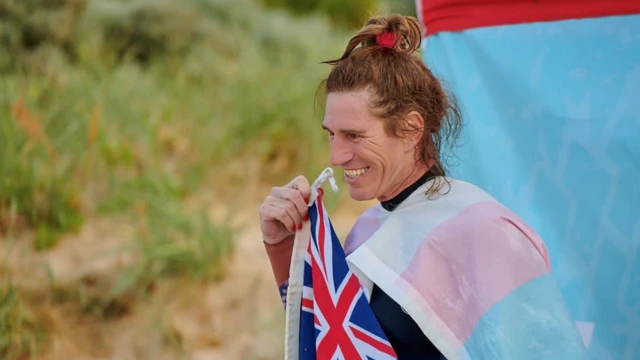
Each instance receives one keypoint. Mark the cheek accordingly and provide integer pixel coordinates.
(374, 152)
(388, 155)
(383, 162)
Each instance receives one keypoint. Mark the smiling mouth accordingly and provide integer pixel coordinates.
(355, 173)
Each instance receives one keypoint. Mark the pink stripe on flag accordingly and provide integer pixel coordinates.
(471, 261)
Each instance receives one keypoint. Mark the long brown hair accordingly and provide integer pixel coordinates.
(399, 83)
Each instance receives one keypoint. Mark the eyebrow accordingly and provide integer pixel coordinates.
(347, 131)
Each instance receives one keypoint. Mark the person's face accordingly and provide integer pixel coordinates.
(376, 165)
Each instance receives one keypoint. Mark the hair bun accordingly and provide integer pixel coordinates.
(405, 31)
(397, 32)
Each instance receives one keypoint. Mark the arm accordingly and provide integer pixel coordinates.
(282, 214)
(280, 259)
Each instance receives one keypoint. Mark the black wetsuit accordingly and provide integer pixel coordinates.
(403, 333)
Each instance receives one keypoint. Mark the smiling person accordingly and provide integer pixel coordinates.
(449, 272)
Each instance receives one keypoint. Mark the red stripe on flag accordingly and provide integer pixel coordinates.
(458, 15)
(334, 315)
(366, 338)
(308, 303)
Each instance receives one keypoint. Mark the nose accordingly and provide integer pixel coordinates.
(341, 152)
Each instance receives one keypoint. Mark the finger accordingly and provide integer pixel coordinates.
(274, 212)
(301, 184)
(288, 214)
(291, 208)
(295, 197)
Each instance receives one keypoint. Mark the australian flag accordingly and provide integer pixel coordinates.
(336, 321)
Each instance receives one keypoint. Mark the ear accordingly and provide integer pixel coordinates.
(414, 129)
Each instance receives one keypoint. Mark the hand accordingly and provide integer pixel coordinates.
(284, 210)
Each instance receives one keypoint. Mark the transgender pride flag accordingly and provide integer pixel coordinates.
(475, 278)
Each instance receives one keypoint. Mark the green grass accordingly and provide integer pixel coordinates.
(133, 110)
(172, 243)
(109, 130)
(21, 331)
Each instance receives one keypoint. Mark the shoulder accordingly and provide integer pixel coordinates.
(476, 220)
(365, 226)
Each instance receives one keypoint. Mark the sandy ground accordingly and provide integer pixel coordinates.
(239, 318)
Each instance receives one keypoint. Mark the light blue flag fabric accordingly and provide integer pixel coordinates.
(552, 112)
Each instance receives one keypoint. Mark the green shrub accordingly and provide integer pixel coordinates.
(349, 13)
(404, 7)
(30, 27)
(93, 133)
(144, 30)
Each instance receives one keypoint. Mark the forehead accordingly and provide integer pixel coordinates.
(348, 110)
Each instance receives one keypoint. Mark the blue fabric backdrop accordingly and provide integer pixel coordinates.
(552, 113)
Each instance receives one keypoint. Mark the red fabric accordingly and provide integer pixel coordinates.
(457, 15)
(386, 39)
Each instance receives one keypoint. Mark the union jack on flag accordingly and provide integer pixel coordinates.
(336, 321)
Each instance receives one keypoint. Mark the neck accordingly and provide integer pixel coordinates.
(394, 202)
(417, 171)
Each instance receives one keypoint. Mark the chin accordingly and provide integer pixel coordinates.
(360, 194)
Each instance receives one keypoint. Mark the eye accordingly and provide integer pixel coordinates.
(353, 136)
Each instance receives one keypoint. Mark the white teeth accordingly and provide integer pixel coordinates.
(355, 173)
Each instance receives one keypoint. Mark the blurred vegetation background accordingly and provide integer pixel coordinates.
(132, 110)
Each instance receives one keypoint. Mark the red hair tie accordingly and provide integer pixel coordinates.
(386, 39)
